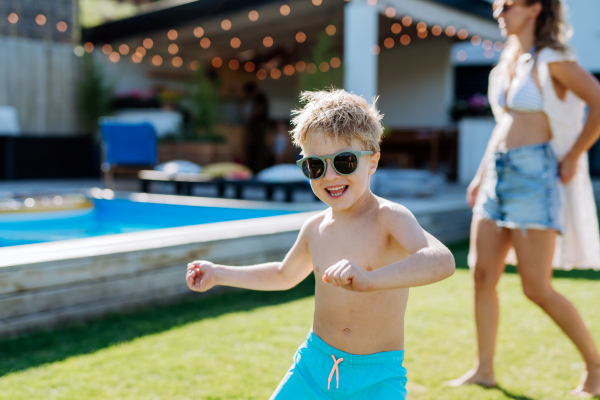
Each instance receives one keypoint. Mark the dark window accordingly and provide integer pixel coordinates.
(471, 80)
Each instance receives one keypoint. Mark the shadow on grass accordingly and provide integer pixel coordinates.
(58, 344)
(510, 395)
(461, 250)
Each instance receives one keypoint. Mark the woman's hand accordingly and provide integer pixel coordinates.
(568, 168)
(472, 191)
(347, 275)
(200, 275)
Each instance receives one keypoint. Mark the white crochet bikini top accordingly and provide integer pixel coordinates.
(523, 95)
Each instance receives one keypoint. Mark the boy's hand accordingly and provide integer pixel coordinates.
(200, 275)
(347, 275)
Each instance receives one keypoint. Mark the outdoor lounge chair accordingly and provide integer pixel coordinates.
(127, 148)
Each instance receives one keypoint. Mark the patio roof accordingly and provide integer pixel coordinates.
(181, 14)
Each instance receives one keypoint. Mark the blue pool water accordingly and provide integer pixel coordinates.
(109, 217)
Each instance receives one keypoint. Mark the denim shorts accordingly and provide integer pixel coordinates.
(522, 189)
(320, 371)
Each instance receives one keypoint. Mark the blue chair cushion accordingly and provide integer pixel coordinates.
(129, 144)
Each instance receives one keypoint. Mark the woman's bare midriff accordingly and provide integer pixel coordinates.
(517, 129)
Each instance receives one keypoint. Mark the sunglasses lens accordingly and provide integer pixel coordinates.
(345, 163)
(313, 168)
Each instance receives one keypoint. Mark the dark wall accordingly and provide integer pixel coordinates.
(34, 157)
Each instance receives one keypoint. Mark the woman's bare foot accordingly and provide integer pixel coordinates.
(590, 383)
(474, 377)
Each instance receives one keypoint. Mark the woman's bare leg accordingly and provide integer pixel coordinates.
(492, 245)
(534, 254)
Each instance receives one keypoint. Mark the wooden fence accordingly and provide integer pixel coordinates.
(39, 79)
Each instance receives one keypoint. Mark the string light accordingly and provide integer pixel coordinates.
(275, 73)
(487, 44)
(388, 43)
(396, 28)
(226, 24)
(462, 34)
(335, 62)
(234, 64)
(177, 62)
(89, 47)
(136, 58)
(261, 74)
(157, 60)
(461, 55)
(268, 41)
(148, 43)
(173, 49)
(406, 21)
(317, 2)
(78, 50)
(172, 34)
(312, 68)
(249, 66)
(284, 10)
(235, 42)
(450, 31)
(488, 53)
(300, 66)
(253, 15)
(421, 26)
(289, 70)
(13, 18)
(300, 37)
(422, 34)
(40, 19)
(217, 62)
(198, 32)
(141, 51)
(205, 43)
(476, 40)
(195, 65)
(375, 49)
(390, 12)
(114, 57)
(331, 30)
(124, 49)
(405, 40)
(498, 46)
(436, 30)
(62, 26)
(371, 2)
(107, 49)
(324, 66)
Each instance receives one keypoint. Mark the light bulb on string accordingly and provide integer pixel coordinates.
(396, 28)
(253, 15)
(450, 31)
(40, 19)
(205, 43)
(300, 66)
(62, 26)
(436, 30)
(107, 49)
(148, 43)
(136, 58)
(234, 64)
(476, 40)
(217, 62)
(268, 41)
(157, 60)
(289, 70)
(407, 20)
(390, 12)
(261, 74)
(177, 62)
(284, 10)
(172, 34)
(324, 66)
(173, 49)
(405, 40)
(311, 68)
(13, 18)
(335, 62)
(198, 32)
(89, 47)
(275, 73)
(249, 66)
(462, 34)
(124, 49)
(388, 43)
(235, 42)
(300, 37)
(331, 30)
(226, 24)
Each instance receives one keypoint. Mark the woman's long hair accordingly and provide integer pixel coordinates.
(551, 30)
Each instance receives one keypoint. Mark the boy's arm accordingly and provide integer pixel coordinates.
(296, 266)
(429, 261)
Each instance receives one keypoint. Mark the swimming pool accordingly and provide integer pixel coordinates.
(108, 217)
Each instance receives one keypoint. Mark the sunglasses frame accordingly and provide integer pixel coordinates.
(357, 154)
(505, 6)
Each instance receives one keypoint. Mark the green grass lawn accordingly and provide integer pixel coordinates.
(239, 346)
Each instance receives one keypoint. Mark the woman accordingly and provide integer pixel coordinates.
(532, 191)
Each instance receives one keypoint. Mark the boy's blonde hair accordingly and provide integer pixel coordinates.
(340, 115)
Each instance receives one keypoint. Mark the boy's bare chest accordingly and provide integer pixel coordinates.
(369, 248)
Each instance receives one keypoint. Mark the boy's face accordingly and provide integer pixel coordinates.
(331, 184)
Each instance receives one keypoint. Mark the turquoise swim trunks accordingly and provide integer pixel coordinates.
(320, 371)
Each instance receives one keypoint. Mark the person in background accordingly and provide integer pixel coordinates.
(532, 191)
(255, 115)
(281, 140)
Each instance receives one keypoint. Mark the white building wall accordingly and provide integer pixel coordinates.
(416, 83)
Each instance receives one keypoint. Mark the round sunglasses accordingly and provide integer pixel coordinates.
(344, 163)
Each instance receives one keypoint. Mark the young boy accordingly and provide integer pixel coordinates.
(365, 252)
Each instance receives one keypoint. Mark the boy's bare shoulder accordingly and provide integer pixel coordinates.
(313, 222)
(390, 212)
